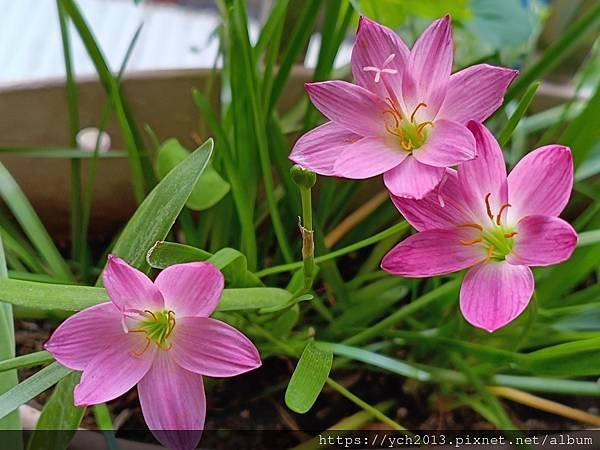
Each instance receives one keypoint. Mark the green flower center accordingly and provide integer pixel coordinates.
(410, 133)
(158, 327)
(498, 239)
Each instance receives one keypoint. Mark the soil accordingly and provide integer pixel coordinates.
(255, 401)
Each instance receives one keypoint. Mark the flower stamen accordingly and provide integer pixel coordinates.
(490, 253)
(488, 207)
(498, 218)
(412, 116)
(472, 241)
(148, 342)
(472, 225)
(421, 126)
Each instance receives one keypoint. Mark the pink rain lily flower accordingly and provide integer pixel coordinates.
(406, 115)
(157, 335)
(495, 225)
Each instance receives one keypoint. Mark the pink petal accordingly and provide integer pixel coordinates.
(448, 144)
(494, 293)
(130, 289)
(213, 348)
(191, 289)
(173, 403)
(366, 158)
(442, 208)
(373, 46)
(476, 92)
(351, 106)
(434, 252)
(429, 66)
(318, 149)
(484, 175)
(84, 335)
(115, 370)
(412, 179)
(542, 241)
(541, 182)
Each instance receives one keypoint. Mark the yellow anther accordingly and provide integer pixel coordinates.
(472, 241)
(499, 217)
(488, 207)
(472, 225)
(412, 116)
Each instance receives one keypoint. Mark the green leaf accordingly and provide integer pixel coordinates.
(31, 387)
(308, 378)
(31, 224)
(158, 212)
(59, 413)
(555, 53)
(516, 117)
(209, 189)
(29, 360)
(49, 297)
(8, 380)
(231, 262)
(578, 358)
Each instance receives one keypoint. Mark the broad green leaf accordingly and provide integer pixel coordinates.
(50, 297)
(158, 212)
(31, 387)
(499, 25)
(394, 12)
(231, 262)
(578, 358)
(308, 378)
(209, 189)
(59, 413)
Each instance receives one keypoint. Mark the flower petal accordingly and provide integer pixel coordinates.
(128, 288)
(476, 92)
(373, 46)
(448, 143)
(442, 208)
(484, 175)
(213, 348)
(541, 182)
(191, 289)
(351, 106)
(84, 335)
(542, 241)
(318, 149)
(115, 370)
(494, 293)
(173, 403)
(429, 66)
(366, 158)
(434, 252)
(412, 179)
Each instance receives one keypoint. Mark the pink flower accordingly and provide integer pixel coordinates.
(494, 224)
(406, 115)
(158, 336)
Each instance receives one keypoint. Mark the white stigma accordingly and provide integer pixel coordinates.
(378, 71)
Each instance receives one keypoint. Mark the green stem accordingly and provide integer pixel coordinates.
(411, 308)
(393, 230)
(364, 405)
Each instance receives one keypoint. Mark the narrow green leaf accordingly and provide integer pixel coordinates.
(158, 212)
(579, 358)
(31, 387)
(59, 413)
(8, 380)
(48, 297)
(516, 117)
(583, 133)
(164, 254)
(31, 224)
(555, 53)
(589, 238)
(59, 153)
(308, 378)
(29, 360)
